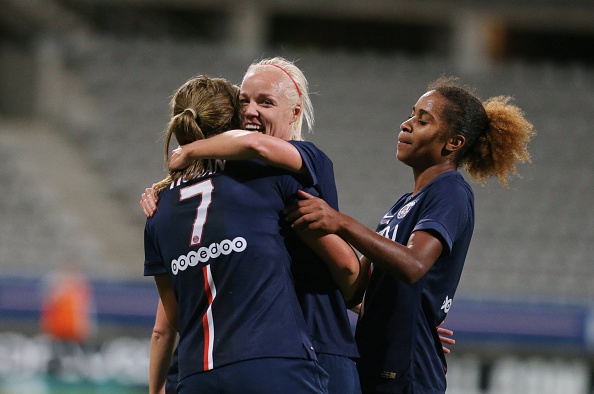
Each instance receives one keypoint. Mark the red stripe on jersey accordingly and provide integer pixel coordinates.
(207, 325)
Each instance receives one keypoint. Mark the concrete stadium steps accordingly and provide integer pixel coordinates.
(58, 212)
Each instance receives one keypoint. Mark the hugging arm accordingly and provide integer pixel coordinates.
(231, 145)
(406, 262)
(240, 145)
(347, 271)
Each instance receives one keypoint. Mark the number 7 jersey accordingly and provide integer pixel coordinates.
(221, 238)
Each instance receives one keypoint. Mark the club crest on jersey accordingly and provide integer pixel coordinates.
(405, 209)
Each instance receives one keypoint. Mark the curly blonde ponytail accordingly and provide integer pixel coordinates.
(505, 142)
(496, 131)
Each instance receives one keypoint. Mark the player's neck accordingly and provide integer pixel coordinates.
(424, 177)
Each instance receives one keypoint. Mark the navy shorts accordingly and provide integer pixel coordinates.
(342, 372)
(259, 376)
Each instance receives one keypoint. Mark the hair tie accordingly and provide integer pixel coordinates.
(290, 76)
(193, 111)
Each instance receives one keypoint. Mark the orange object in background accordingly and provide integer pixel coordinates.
(66, 309)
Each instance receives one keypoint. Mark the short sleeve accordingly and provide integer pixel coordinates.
(320, 171)
(447, 210)
(153, 263)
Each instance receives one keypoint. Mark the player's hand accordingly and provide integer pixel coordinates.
(311, 214)
(179, 159)
(148, 202)
(445, 336)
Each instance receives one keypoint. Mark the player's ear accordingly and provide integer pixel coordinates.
(455, 143)
(296, 112)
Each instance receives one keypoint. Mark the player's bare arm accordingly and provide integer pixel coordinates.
(408, 263)
(231, 145)
(161, 353)
(167, 296)
(342, 262)
(240, 145)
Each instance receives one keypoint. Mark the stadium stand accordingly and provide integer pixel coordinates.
(532, 239)
(57, 211)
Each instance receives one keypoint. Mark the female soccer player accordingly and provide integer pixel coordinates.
(418, 249)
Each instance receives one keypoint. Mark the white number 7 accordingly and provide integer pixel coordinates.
(204, 188)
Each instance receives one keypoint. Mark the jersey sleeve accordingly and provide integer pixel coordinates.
(447, 210)
(153, 263)
(320, 171)
(291, 184)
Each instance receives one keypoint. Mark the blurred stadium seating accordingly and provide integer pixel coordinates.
(532, 239)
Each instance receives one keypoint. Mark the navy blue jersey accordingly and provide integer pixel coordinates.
(397, 332)
(321, 301)
(221, 237)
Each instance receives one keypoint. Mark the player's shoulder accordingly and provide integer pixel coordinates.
(450, 187)
(452, 182)
(306, 145)
(307, 148)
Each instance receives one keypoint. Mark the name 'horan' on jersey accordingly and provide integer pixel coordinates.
(212, 166)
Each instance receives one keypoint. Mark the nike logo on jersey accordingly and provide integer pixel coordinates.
(386, 219)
